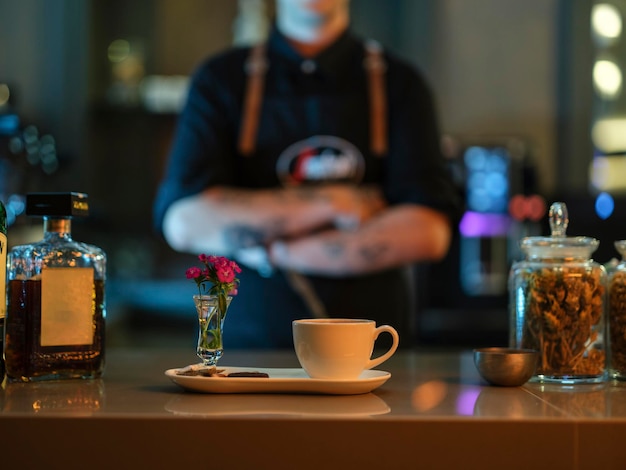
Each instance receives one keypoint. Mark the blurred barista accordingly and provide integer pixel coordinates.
(313, 160)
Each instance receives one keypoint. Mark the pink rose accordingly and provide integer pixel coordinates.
(235, 267)
(225, 274)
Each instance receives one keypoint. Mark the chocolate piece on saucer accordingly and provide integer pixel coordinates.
(248, 374)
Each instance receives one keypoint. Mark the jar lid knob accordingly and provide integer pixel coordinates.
(558, 219)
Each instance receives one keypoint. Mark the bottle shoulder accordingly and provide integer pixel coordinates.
(47, 247)
(26, 261)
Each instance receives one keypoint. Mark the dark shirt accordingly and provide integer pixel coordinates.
(313, 128)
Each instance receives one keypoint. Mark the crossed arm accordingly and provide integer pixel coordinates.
(335, 230)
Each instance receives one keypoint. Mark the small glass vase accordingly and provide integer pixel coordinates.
(211, 322)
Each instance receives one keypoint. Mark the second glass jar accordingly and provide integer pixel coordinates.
(617, 316)
(557, 305)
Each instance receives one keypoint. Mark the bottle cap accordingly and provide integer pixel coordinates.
(69, 204)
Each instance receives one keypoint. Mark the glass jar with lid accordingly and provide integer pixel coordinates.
(557, 304)
(617, 316)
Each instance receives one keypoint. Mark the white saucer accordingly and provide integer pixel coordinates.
(279, 381)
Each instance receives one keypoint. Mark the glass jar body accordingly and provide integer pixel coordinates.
(3, 273)
(557, 306)
(617, 323)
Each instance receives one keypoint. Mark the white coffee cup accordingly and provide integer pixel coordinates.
(339, 348)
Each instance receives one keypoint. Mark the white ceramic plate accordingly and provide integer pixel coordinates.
(279, 381)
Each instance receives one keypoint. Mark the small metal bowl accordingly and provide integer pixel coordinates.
(506, 367)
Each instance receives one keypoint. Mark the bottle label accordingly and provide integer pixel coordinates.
(3, 275)
(67, 306)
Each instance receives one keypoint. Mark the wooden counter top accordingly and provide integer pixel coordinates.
(434, 412)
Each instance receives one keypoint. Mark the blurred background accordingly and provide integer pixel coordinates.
(530, 100)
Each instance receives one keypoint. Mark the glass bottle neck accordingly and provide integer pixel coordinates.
(57, 228)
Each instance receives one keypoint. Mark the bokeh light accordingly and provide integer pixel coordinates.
(606, 22)
(118, 50)
(487, 182)
(604, 205)
(607, 78)
(609, 134)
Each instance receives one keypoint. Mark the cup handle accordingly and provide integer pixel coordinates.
(396, 339)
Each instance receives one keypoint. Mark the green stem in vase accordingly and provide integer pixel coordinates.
(221, 306)
(212, 337)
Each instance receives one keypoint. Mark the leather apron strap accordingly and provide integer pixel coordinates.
(256, 67)
(376, 68)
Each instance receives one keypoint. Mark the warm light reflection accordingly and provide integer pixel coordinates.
(606, 21)
(607, 78)
(70, 398)
(428, 395)
(609, 134)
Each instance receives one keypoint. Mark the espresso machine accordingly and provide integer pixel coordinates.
(464, 298)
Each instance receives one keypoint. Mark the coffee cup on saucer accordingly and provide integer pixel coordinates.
(339, 348)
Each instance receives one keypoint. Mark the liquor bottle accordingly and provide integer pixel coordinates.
(3, 278)
(56, 303)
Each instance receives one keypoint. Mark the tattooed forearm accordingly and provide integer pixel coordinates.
(368, 251)
(233, 196)
(238, 236)
(308, 193)
(243, 236)
(334, 249)
(373, 251)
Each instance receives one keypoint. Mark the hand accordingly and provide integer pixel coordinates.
(255, 258)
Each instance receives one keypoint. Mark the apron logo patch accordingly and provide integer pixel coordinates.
(320, 159)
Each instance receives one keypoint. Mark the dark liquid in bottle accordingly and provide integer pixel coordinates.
(26, 359)
(1, 349)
